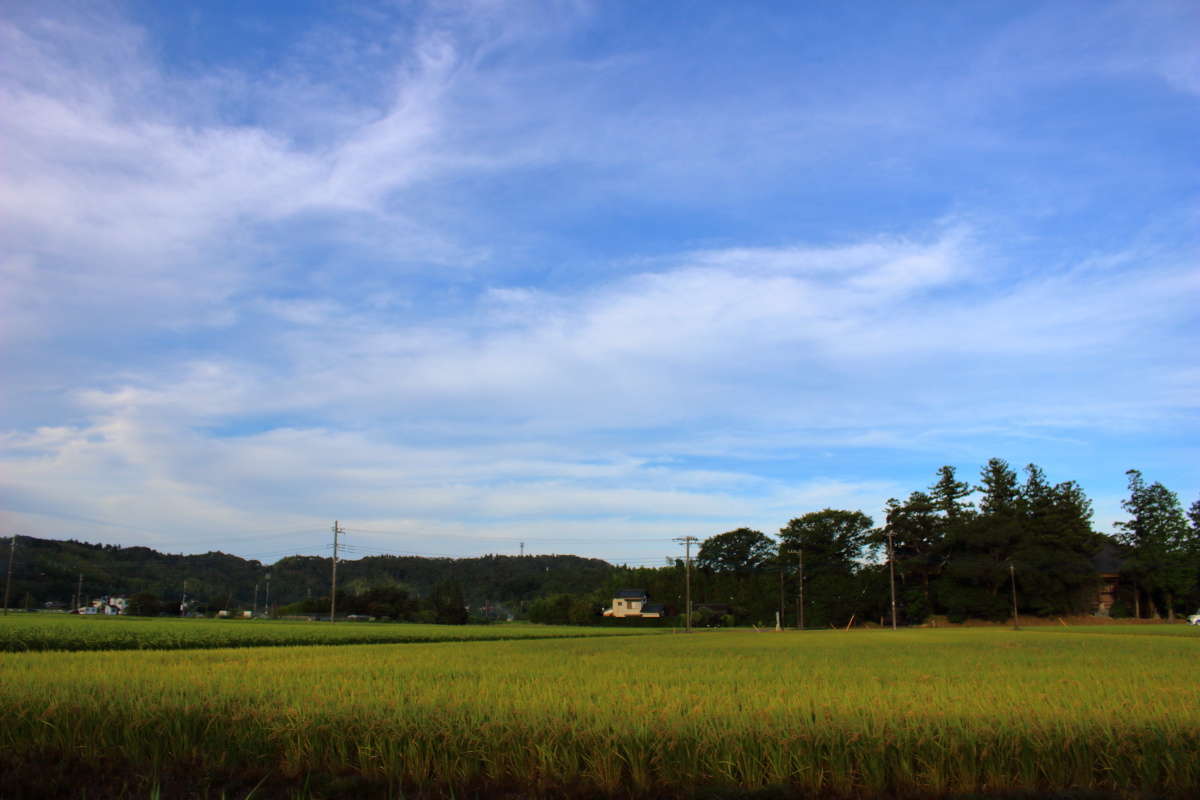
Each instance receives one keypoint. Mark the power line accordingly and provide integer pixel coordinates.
(482, 538)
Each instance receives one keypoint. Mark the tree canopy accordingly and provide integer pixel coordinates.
(1161, 543)
(741, 551)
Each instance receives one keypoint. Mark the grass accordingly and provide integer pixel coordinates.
(38, 632)
(907, 714)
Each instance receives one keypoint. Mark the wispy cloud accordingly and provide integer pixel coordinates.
(493, 271)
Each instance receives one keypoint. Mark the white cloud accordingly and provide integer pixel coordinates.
(120, 201)
(1060, 43)
(748, 344)
(520, 403)
(168, 487)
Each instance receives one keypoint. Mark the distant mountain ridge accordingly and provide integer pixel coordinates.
(48, 571)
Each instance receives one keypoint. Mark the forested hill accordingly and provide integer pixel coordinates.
(47, 570)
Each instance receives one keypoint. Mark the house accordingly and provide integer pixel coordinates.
(109, 606)
(633, 603)
(653, 611)
(1108, 564)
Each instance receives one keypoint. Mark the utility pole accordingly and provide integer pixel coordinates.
(800, 553)
(182, 599)
(1012, 575)
(79, 593)
(687, 543)
(12, 554)
(783, 554)
(780, 618)
(267, 601)
(892, 573)
(255, 611)
(333, 594)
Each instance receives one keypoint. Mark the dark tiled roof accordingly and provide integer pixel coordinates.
(654, 608)
(631, 593)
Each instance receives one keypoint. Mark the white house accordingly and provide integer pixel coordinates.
(634, 603)
(110, 606)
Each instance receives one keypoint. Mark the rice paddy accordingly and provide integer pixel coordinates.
(860, 714)
(33, 632)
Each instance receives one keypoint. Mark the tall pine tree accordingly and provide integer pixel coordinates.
(1161, 561)
(918, 541)
(1054, 553)
(977, 569)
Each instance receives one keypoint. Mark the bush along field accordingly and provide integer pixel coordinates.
(915, 713)
(34, 632)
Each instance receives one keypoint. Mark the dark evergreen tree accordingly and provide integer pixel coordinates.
(981, 548)
(947, 495)
(449, 605)
(144, 604)
(919, 549)
(1054, 555)
(1162, 551)
(1193, 597)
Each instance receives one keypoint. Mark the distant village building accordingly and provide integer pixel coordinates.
(108, 606)
(635, 603)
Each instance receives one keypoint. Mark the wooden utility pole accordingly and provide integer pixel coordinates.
(267, 601)
(800, 614)
(780, 620)
(333, 594)
(79, 593)
(12, 554)
(687, 543)
(892, 573)
(783, 554)
(1012, 575)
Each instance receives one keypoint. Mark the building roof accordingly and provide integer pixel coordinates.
(630, 593)
(654, 608)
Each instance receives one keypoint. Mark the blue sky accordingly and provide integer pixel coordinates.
(585, 275)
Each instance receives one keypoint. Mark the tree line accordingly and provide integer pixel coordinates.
(958, 549)
(49, 571)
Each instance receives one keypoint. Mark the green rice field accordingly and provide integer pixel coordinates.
(917, 713)
(31, 632)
